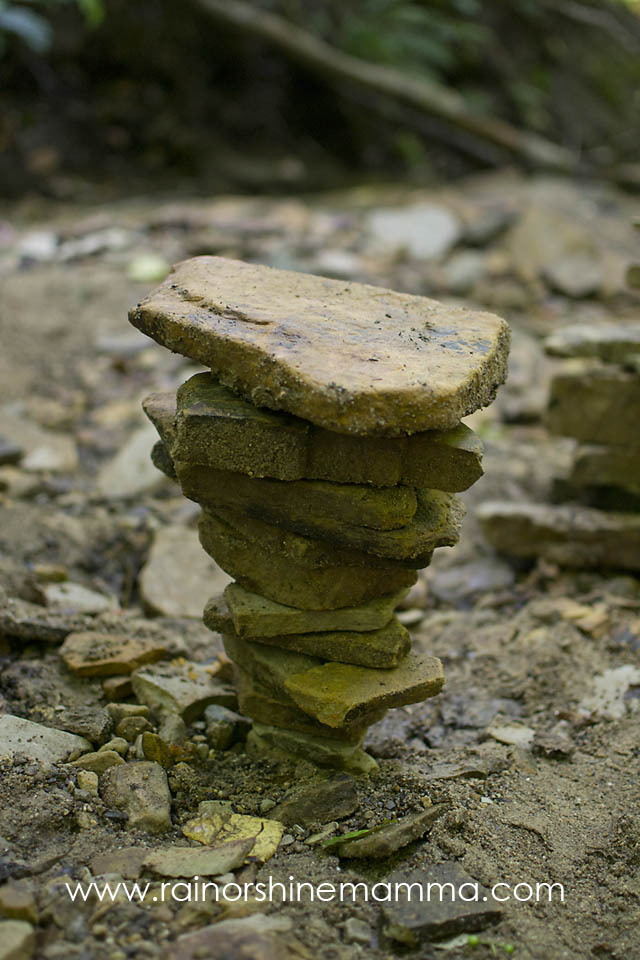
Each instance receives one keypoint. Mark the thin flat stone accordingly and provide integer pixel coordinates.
(596, 406)
(337, 693)
(186, 691)
(281, 579)
(386, 840)
(216, 428)
(322, 751)
(394, 529)
(435, 902)
(107, 654)
(299, 503)
(271, 539)
(278, 710)
(604, 465)
(612, 342)
(255, 616)
(175, 861)
(19, 737)
(349, 357)
(383, 648)
(571, 536)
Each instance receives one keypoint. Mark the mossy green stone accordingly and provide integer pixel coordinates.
(339, 693)
(256, 616)
(213, 427)
(321, 751)
(255, 700)
(301, 503)
(348, 357)
(381, 648)
(276, 576)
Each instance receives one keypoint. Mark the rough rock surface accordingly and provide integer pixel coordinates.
(216, 428)
(405, 364)
(141, 791)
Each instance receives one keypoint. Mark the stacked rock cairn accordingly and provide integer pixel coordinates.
(325, 449)
(593, 520)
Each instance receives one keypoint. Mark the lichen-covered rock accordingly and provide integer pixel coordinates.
(275, 576)
(404, 363)
(256, 616)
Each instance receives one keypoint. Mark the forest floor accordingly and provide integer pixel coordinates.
(541, 773)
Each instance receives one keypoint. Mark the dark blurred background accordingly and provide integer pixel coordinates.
(209, 95)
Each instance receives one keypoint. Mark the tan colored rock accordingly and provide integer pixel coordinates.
(336, 693)
(598, 405)
(178, 578)
(216, 428)
(404, 363)
(597, 465)
(98, 762)
(275, 576)
(186, 690)
(16, 903)
(569, 535)
(141, 791)
(17, 940)
(215, 825)
(108, 654)
(177, 861)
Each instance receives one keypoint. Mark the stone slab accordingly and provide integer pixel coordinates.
(92, 654)
(338, 693)
(599, 405)
(612, 342)
(606, 465)
(214, 427)
(383, 648)
(435, 902)
(321, 751)
(19, 737)
(349, 357)
(164, 588)
(184, 690)
(255, 616)
(303, 504)
(258, 702)
(308, 551)
(322, 513)
(279, 578)
(568, 535)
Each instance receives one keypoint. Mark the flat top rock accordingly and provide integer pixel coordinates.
(349, 357)
(608, 341)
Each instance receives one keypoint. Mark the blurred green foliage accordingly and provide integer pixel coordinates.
(29, 21)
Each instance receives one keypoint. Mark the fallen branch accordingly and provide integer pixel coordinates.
(425, 95)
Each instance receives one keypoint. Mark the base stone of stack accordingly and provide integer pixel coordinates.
(287, 744)
(281, 579)
(251, 615)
